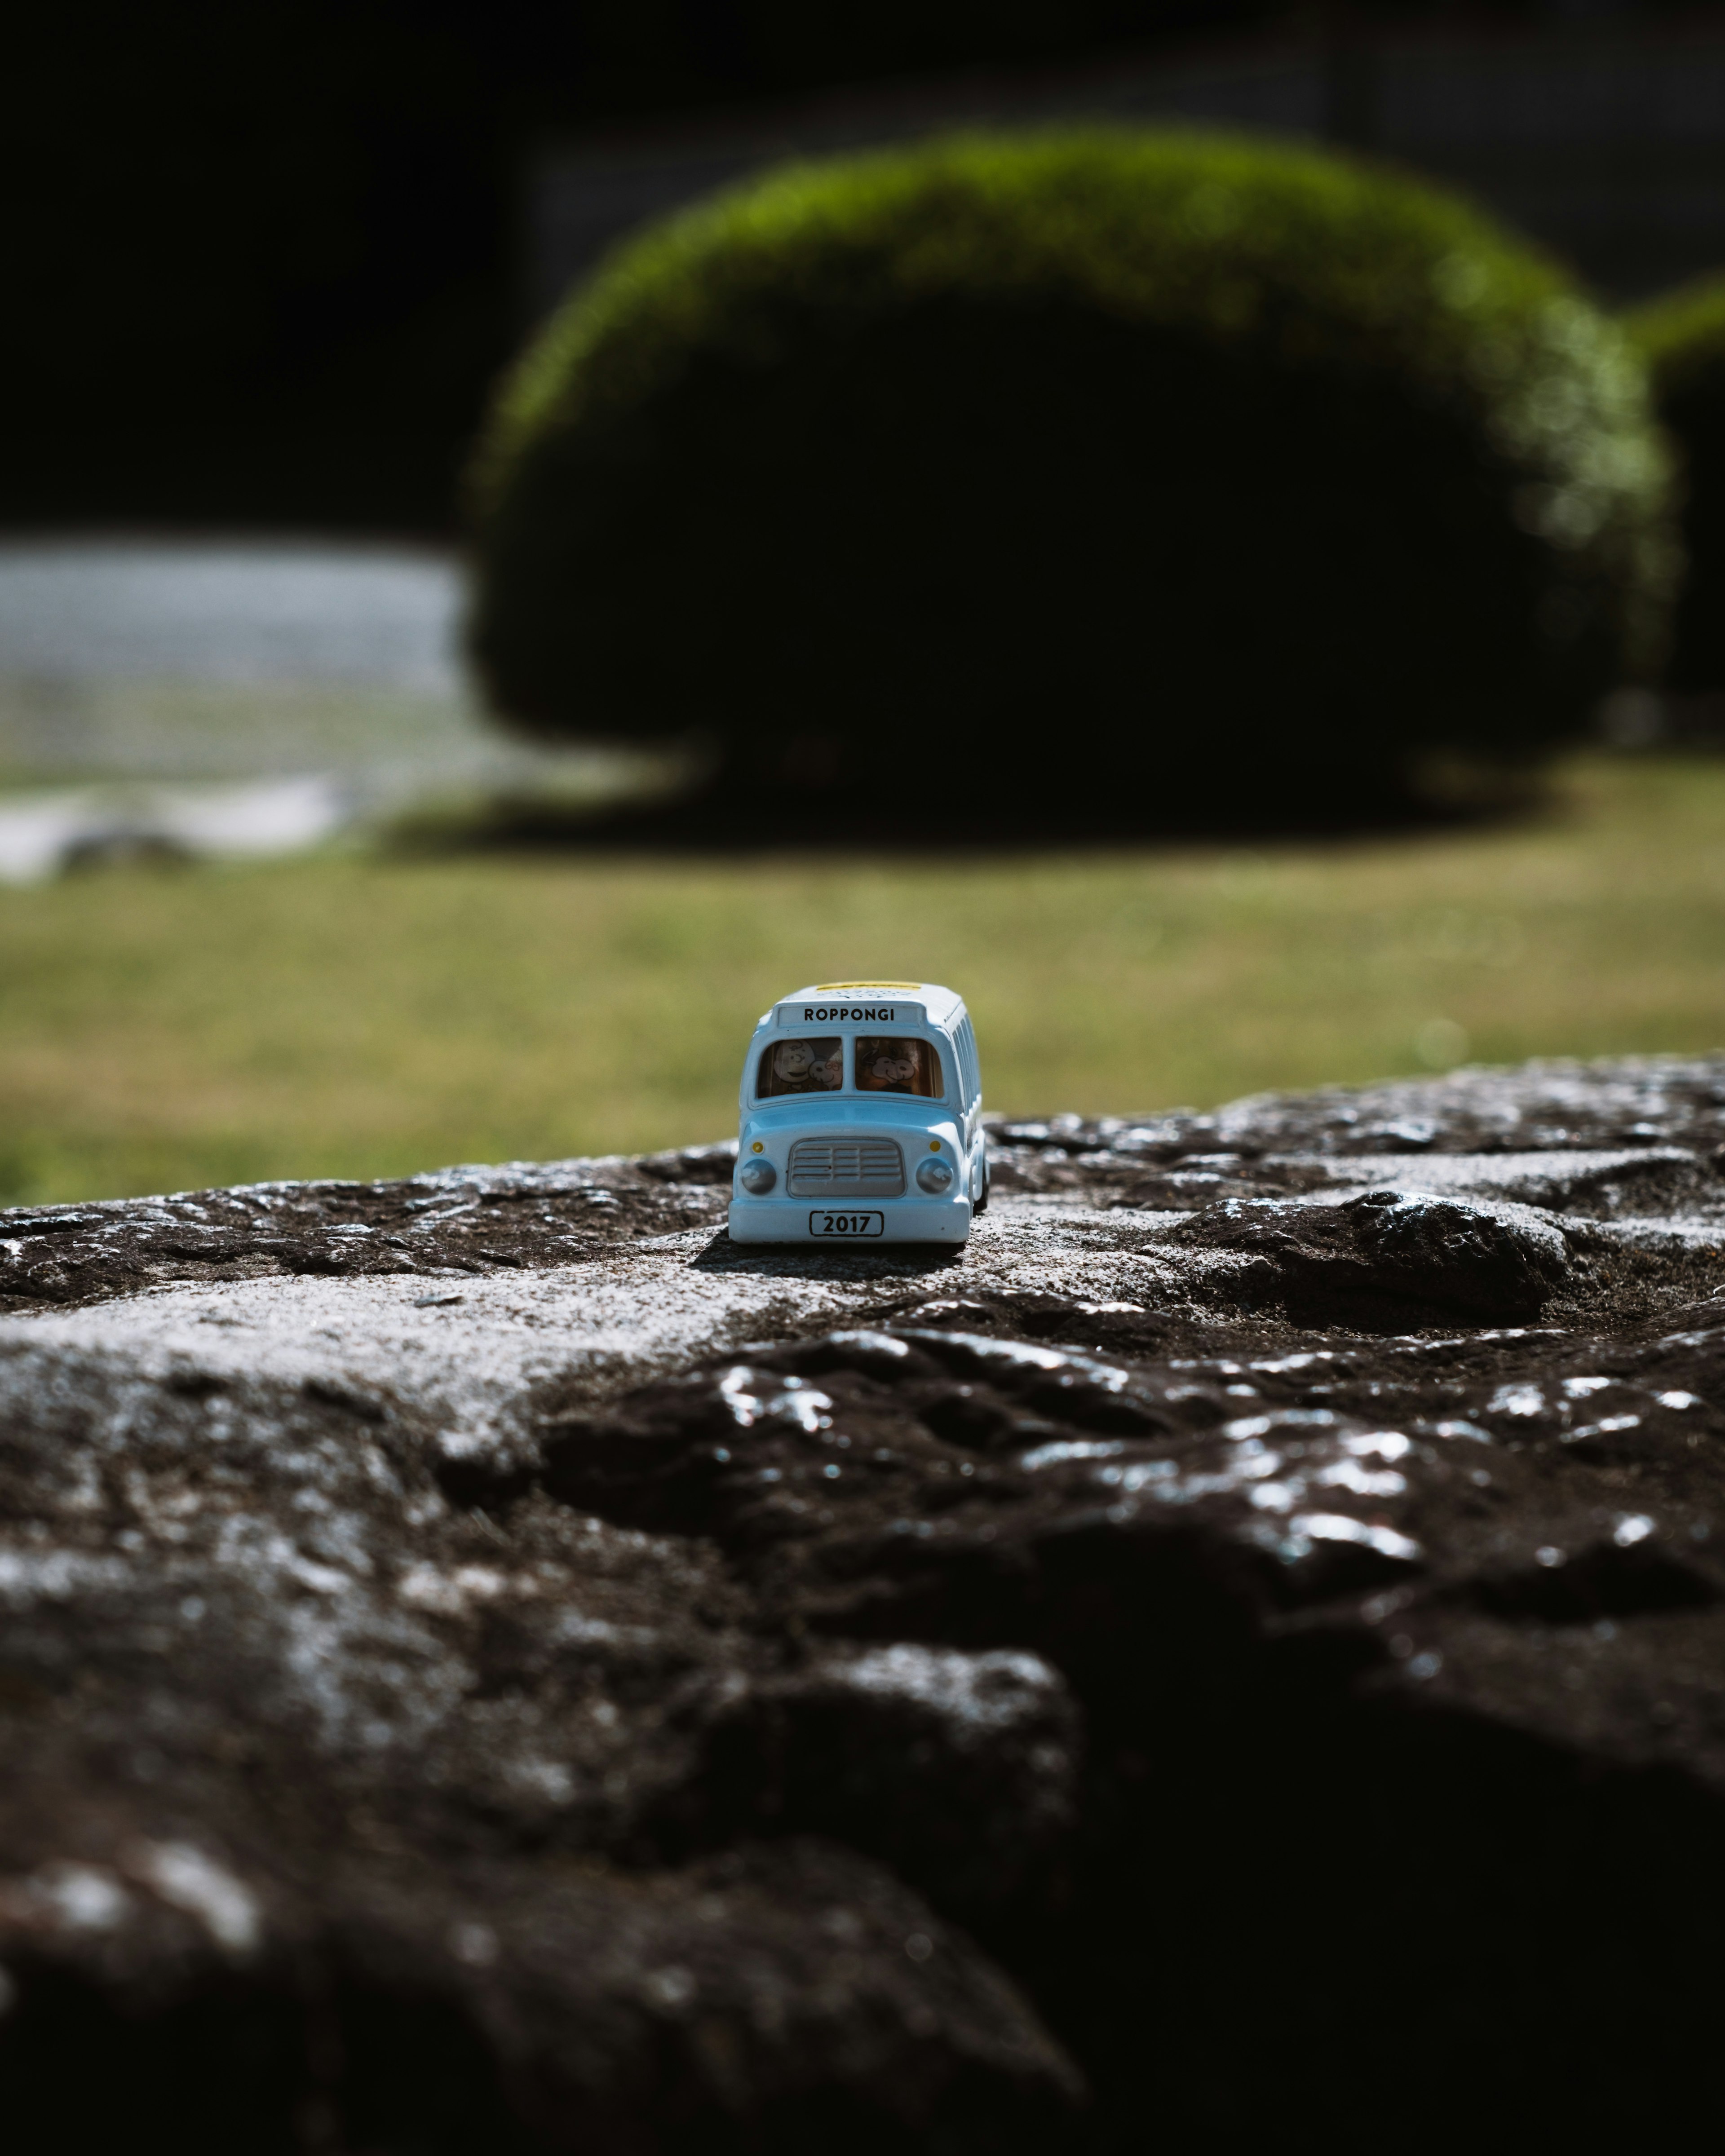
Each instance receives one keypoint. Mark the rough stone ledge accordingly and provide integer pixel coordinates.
(1235, 1656)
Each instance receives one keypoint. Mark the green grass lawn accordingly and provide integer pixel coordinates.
(363, 1015)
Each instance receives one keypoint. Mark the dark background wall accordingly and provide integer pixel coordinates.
(263, 262)
(1603, 137)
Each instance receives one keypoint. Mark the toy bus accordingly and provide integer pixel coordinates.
(862, 1118)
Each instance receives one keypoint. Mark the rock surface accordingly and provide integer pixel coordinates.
(1236, 1657)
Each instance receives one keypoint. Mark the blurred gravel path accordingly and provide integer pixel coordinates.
(235, 611)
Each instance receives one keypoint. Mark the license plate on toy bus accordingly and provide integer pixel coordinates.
(847, 1224)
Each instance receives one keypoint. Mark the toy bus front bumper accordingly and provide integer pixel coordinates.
(777, 1218)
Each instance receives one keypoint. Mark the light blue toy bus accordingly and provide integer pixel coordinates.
(862, 1118)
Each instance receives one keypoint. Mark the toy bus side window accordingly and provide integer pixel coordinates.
(970, 1069)
(800, 1066)
(888, 1065)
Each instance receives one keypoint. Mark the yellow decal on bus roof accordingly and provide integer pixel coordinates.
(835, 987)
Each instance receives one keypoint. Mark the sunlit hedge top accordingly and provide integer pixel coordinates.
(1681, 336)
(1138, 431)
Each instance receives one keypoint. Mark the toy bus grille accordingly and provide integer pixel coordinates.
(845, 1168)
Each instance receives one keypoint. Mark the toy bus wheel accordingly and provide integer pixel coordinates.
(980, 1204)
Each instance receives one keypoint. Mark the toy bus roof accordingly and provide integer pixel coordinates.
(868, 1003)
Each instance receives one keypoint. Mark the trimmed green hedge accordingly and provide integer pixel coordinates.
(1681, 336)
(1086, 456)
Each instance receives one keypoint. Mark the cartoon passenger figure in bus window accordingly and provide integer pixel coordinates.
(800, 1066)
(897, 1066)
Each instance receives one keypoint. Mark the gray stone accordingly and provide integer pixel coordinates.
(486, 1664)
(1390, 1256)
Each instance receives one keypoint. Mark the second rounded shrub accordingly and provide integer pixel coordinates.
(1085, 459)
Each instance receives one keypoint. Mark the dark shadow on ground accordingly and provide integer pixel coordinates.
(804, 1261)
(1049, 800)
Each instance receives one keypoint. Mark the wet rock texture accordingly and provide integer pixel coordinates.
(1234, 1658)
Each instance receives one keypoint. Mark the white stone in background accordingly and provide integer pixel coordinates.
(37, 831)
(42, 833)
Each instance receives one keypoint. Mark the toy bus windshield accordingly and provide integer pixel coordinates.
(888, 1065)
(815, 1063)
(800, 1065)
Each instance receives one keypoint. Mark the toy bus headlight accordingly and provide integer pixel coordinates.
(934, 1176)
(757, 1177)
